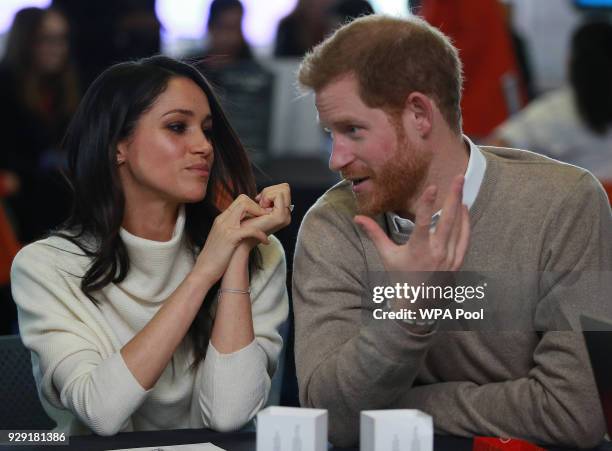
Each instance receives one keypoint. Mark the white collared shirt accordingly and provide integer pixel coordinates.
(474, 175)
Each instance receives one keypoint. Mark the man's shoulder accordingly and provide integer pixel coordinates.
(338, 201)
(521, 177)
(524, 164)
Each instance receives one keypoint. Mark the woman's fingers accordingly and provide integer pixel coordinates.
(275, 200)
(268, 197)
(246, 232)
(241, 207)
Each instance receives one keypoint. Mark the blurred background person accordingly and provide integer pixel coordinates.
(521, 51)
(226, 44)
(573, 123)
(39, 92)
(302, 29)
(493, 89)
(109, 31)
(343, 11)
(137, 30)
(243, 84)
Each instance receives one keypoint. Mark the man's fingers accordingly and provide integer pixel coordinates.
(423, 213)
(373, 230)
(463, 240)
(454, 236)
(451, 207)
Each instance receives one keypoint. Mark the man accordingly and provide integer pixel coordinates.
(388, 91)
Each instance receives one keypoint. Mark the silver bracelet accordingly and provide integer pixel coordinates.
(234, 290)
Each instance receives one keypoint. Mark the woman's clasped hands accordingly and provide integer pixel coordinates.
(244, 224)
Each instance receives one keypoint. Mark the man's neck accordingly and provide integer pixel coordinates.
(451, 155)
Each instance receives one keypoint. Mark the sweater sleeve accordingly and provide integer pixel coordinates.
(232, 388)
(78, 369)
(557, 402)
(344, 363)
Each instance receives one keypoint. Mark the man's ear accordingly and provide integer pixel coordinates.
(419, 113)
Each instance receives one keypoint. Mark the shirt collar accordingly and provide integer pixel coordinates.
(474, 175)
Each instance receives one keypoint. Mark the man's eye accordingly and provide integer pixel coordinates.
(177, 127)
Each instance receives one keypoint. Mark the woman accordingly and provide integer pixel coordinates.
(139, 312)
(39, 94)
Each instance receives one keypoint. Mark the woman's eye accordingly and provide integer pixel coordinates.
(177, 127)
(208, 132)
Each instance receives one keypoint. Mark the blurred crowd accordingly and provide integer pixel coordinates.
(53, 54)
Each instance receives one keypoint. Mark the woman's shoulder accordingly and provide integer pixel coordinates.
(55, 252)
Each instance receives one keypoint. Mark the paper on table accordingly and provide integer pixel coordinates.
(193, 447)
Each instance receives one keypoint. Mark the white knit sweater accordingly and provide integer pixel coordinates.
(83, 382)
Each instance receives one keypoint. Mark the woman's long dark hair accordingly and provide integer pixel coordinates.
(591, 74)
(107, 115)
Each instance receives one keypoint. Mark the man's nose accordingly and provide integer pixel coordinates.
(341, 156)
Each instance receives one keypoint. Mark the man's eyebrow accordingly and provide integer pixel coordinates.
(341, 122)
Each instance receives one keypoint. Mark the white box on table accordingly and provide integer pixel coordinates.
(396, 430)
(291, 429)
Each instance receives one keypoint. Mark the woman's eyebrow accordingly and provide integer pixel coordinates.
(179, 110)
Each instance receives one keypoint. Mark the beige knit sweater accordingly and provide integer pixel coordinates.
(532, 215)
(83, 381)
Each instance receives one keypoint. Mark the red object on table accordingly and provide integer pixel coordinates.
(503, 444)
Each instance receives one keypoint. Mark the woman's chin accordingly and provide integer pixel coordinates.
(193, 197)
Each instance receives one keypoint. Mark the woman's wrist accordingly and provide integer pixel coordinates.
(240, 259)
(200, 279)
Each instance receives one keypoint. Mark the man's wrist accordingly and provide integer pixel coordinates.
(418, 326)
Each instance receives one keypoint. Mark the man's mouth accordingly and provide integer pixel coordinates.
(358, 181)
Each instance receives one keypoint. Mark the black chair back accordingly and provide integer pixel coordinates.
(20, 406)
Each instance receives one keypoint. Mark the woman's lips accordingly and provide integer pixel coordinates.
(201, 170)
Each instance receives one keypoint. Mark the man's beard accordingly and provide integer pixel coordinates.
(397, 183)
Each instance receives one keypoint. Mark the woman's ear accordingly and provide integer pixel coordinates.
(418, 113)
(121, 152)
